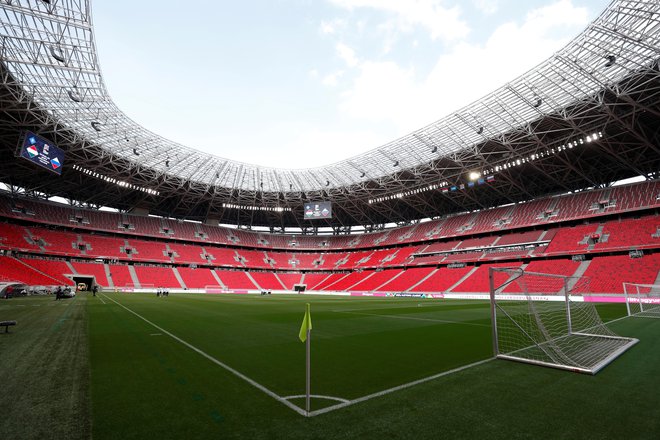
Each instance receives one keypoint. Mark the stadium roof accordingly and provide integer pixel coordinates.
(604, 81)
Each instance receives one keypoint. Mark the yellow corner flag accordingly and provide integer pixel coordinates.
(306, 325)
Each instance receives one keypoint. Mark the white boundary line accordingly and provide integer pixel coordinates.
(397, 388)
(215, 361)
(284, 400)
(101, 300)
(318, 396)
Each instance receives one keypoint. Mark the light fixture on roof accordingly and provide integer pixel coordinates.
(474, 175)
(74, 96)
(167, 162)
(396, 163)
(480, 130)
(327, 183)
(57, 53)
(538, 102)
(363, 174)
(435, 149)
(611, 60)
(135, 151)
(96, 125)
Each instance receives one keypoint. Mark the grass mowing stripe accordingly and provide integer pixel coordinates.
(443, 321)
(45, 378)
(216, 361)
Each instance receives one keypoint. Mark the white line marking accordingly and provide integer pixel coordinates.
(156, 334)
(413, 318)
(317, 396)
(397, 388)
(291, 405)
(215, 361)
(101, 300)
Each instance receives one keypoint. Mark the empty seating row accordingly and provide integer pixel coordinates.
(538, 212)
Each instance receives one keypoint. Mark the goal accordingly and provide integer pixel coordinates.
(642, 300)
(536, 318)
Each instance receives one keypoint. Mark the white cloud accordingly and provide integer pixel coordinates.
(332, 26)
(487, 7)
(342, 144)
(332, 79)
(389, 93)
(347, 54)
(441, 22)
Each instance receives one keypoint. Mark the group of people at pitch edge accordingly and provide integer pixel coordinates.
(62, 292)
(162, 291)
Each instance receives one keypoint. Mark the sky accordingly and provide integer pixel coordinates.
(307, 83)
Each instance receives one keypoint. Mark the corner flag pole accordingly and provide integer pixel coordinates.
(305, 335)
(308, 369)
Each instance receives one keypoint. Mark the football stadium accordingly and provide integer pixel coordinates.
(494, 274)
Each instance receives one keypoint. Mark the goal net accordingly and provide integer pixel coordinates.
(642, 299)
(536, 319)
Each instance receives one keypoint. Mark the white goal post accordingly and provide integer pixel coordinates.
(539, 318)
(642, 300)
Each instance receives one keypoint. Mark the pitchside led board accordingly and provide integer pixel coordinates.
(318, 210)
(42, 152)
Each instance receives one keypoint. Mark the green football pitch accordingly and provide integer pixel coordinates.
(134, 366)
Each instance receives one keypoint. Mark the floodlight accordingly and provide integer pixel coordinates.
(57, 53)
(611, 59)
(74, 96)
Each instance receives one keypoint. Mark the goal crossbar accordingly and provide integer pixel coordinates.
(642, 300)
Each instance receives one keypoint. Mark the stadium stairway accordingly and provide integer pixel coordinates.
(279, 280)
(108, 276)
(409, 289)
(463, 278)
(389, 280)
(360, 280)
(178, 277)
(217, 278)
(71, 268)
(582, 268)
(134, 277)
(599, 232)
(249, 275)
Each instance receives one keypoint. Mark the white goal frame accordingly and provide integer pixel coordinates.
(642, 300)
(540, 319)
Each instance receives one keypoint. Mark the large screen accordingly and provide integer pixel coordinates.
(318, 210)
(42, 152)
